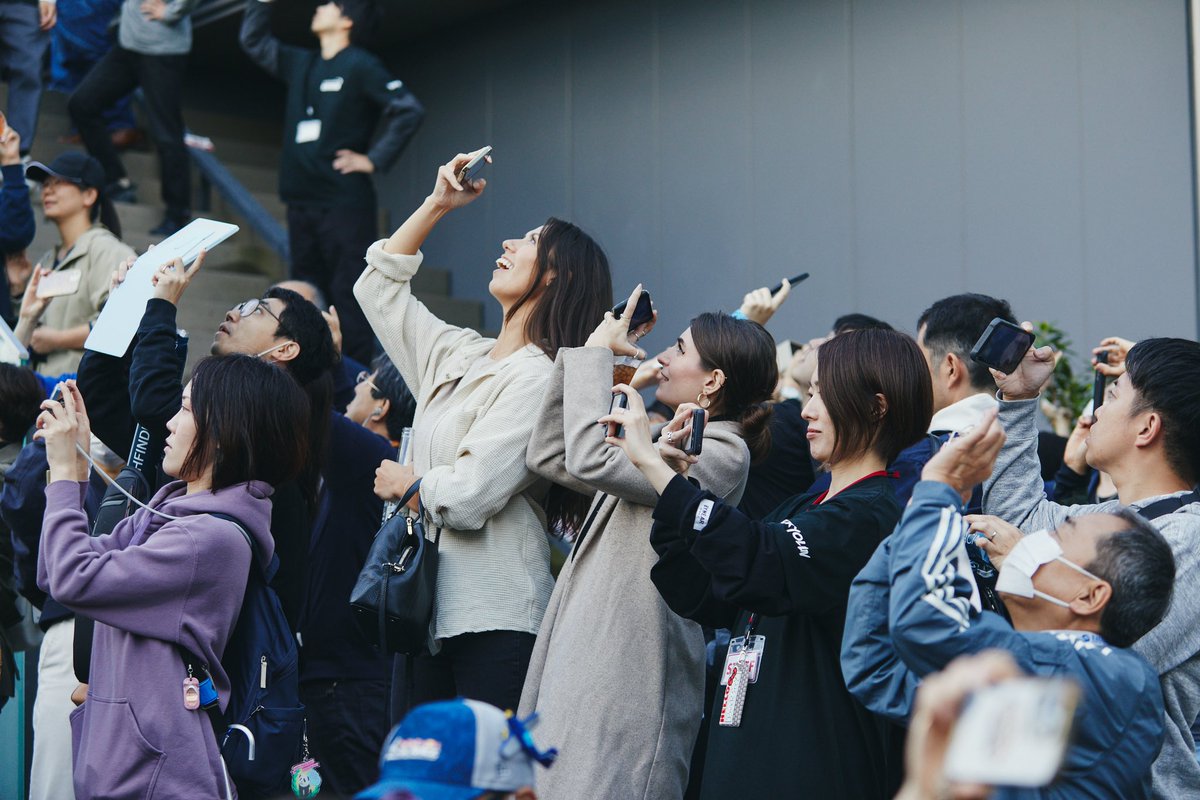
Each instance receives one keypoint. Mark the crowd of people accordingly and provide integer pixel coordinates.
(784, 574)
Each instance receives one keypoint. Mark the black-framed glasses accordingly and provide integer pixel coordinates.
(255, 305)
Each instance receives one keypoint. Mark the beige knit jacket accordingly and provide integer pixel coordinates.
(494, 558)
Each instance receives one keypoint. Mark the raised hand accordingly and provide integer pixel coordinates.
(1030, 376)
(613, 332)
(63, 426)
(172, 279)
(1117, 349)
(448, 193)
(965, 461)
(760, 305)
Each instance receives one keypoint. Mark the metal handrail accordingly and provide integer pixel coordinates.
(214, 175)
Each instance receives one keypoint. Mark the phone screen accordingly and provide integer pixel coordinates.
(1014, 733)
(1002, 345)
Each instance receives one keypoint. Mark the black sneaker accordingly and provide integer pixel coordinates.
(168, 226)
(121, 193)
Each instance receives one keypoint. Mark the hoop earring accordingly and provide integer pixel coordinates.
(703, 400)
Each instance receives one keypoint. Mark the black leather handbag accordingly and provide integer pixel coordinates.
(395, 591)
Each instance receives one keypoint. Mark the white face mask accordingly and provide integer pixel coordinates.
(1034, 550)
(272, 349)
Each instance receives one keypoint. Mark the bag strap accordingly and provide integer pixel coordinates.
(1168, 505)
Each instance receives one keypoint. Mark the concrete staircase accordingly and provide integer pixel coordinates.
(242, 267)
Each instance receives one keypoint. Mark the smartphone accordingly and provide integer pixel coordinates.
(1013, 734)
(472, 167)
(643, 312)
(619, 400)
(1099, 383)
(58, 284)
(803, 276)
(1002, 345)
(696, 440)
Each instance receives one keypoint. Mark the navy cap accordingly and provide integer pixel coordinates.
(78, 168)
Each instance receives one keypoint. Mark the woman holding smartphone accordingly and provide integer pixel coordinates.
(475, 398)
(171, 577)
(784, 724)
(616, 676)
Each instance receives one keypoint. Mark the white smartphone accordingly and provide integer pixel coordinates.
(1013, 734)
(57, 284)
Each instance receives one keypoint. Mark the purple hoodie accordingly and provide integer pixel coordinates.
(153, 586)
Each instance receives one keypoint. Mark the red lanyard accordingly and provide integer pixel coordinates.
(879, 473)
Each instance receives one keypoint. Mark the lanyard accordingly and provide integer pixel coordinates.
(879, 473)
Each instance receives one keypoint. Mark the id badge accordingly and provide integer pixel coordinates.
(753, 657)
(308, 130)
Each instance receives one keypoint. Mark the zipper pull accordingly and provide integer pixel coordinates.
(262, 673)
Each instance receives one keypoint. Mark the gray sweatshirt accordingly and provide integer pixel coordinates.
(1016, 494)
(170, 36)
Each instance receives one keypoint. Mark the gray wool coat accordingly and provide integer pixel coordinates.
(616, 677)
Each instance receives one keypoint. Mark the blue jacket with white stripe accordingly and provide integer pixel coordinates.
(918, 616)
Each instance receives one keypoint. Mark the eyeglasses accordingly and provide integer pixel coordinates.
(365, 377)
(254, 306)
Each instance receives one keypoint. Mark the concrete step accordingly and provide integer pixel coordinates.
(430, 280)
(465, 313)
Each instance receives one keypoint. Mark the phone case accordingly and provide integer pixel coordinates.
(58, 284)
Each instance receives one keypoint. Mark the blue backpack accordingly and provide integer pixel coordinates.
(261, 732)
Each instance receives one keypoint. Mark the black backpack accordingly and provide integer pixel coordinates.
(262, 729)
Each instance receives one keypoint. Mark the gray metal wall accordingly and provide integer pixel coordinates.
(900, 151)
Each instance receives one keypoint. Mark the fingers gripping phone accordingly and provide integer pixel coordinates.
(643, 312)
(472, 167)
(803, 276)
(1099, 382)
(619, 400)
(1002, 346)
(696, 440)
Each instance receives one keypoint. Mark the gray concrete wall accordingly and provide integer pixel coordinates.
(899, 151)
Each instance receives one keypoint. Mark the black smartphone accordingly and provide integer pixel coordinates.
(619, 400)
(696, 440)
(803, 276)
(472, 167)
(643, 312)
(1099, 383)
(1002, 345)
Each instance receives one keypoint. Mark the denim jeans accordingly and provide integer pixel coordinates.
(22, 50)
(347, 723)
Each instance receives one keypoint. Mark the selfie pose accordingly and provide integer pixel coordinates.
(784, 724)
(171, 577)
(475, 398)
(607, 632)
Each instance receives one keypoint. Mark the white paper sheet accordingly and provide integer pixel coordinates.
(11, 350)
(121, 315)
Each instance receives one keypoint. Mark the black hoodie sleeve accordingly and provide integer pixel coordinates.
(155, 391)
(104, 383)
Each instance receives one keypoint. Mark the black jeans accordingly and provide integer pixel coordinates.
(117, 74)
(347, 723)
(488, 666)
(328, 244)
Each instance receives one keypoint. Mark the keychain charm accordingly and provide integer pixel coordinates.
(306, 781)
(191, 693)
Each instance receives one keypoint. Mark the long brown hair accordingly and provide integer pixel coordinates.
(565, 313)
(580, 289)
(745, 352)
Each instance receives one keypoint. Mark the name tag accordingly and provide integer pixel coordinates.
(749, 655)
(331, 85)
(308, 130)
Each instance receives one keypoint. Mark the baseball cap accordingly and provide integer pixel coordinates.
(78, 168)
(457, 750)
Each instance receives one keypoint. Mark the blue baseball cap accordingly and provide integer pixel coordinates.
(457, 750)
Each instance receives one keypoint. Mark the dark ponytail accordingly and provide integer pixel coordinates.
(745, 352)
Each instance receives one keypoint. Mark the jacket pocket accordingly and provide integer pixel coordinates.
(112, 757)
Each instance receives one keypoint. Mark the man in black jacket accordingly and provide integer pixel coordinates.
(336, 97)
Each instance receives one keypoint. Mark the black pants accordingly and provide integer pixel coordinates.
(328, 245)
(347, 723)
(117, 74)
(488, 666)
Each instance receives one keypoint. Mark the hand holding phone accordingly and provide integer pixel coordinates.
(643, 312)
(695, 441)
(1099, 382)
(59, 284)
(472, 167)
(1002, 345)
(619, 400)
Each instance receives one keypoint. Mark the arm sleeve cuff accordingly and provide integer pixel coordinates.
(936, 492)
(13, 174)
(159, 314)
(398, 267)
(675, 500)
(1019, 418)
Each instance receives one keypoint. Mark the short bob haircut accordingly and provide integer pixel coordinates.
(571, 307)
(251, 422)
(856, 366)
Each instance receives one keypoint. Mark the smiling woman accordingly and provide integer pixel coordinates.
(475, 398)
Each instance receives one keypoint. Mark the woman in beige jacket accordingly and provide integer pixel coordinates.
(475, 403)
(617, 678)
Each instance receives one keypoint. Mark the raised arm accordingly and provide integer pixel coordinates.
(547, 452)
(258, 43)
